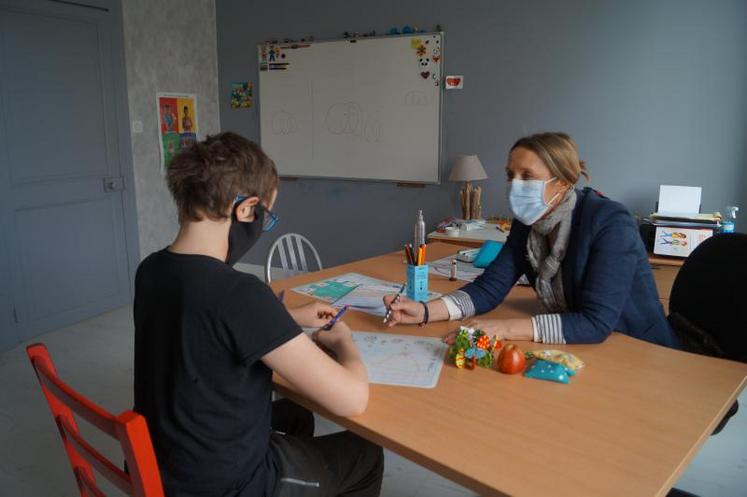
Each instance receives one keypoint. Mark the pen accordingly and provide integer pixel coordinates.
(329, 325)
(396, 299)
(407, 254)
(281, 296)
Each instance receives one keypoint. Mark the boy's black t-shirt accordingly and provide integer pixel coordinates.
(200, 329)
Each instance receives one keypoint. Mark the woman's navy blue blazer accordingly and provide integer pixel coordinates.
(607, 278)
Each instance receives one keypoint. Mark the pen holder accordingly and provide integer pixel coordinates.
(417, 282)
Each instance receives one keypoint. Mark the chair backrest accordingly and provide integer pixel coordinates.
(292, 250)
(710, 293)
(141, 479)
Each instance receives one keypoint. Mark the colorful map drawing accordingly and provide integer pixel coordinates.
(333, 289)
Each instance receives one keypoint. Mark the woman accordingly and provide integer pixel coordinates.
(581, 252)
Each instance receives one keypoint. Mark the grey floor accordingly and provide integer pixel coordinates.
(96, 357)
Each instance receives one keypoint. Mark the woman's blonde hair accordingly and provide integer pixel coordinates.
(558, 152)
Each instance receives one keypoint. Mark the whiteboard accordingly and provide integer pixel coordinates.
(367, 108)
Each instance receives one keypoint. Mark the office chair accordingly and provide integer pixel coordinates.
(708, 305)
(140, 478)
(292, 250)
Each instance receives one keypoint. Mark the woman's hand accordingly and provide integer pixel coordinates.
(504, 329)
(405, 311)
(313, 315)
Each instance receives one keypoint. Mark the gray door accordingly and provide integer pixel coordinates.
(65, 169)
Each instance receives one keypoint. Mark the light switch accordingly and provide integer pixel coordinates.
(137, 126)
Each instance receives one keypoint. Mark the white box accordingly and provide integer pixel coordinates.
(679, 242)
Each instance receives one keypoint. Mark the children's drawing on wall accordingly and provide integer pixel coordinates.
(177, 114)
(241, 95)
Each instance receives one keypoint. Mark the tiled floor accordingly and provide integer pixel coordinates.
(96, 357)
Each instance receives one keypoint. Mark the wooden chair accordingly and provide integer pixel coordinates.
(292, 249)
(141, 477)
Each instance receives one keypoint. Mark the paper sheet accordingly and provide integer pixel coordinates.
(400, 360)
(466, 271)
(360, 292)
(679, 199)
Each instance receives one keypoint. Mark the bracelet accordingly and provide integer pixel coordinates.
(425, 316)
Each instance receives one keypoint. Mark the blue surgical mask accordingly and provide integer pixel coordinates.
(527, 199)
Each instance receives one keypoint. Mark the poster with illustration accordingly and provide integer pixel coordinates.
(177, 117)
(241, 94)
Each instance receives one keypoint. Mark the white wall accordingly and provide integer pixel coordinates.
(170, 46)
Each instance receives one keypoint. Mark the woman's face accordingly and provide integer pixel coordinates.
(526, 165)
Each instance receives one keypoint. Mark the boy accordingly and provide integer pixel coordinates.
(207, 339)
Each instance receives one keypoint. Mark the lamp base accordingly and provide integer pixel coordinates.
(469, 197)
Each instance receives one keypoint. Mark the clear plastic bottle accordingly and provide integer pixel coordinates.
(729, 221)
(419, 230)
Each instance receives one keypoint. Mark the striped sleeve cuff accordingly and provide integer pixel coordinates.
(459, 304)
(548, 328)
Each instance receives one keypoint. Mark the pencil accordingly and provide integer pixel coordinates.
(329, 325)
(396, 299)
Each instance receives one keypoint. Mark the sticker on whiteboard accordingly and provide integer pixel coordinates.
(415, 43)
(454, 82)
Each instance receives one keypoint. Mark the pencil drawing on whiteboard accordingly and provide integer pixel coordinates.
(344, 118)
(372, 130)
(284, 123)
(369, 110)
(348, 118)
(416, 98)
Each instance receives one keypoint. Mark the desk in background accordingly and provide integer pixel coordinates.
(473, 238)
(627, 425)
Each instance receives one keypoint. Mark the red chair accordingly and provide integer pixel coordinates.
(129, 428)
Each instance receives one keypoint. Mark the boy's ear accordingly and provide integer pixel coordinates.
(245, 210)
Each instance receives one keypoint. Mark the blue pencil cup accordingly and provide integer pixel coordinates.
(417, 282)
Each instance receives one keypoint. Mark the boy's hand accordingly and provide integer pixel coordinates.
(313, 315)
(335, 338)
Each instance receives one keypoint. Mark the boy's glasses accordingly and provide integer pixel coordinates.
(270, 219)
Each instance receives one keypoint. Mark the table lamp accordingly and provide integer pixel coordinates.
(468, 168)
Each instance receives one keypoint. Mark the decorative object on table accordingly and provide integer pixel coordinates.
(473, 348)
(550, 371)
(468, 168)
(488, 252)
(511, 360)
(449, 221)
(241, 94)
(454, 82)
(565, 359)
(504, 223)
(177, 118)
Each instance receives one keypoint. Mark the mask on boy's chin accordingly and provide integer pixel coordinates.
(243, 235)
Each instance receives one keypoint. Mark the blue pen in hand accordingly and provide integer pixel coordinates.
(329, 325)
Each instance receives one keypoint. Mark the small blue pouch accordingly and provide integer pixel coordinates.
(489, 251)
(550, 371)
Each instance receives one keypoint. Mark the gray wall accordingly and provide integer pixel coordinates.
(170, 46)
(653, 92)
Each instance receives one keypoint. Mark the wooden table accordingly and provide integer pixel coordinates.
(627, 425)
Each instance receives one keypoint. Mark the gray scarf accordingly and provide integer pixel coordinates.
(546, 260)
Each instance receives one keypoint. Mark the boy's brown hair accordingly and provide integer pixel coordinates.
(205, 178)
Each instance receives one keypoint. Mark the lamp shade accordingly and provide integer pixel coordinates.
(467, 168)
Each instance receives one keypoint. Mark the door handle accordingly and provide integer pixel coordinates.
(114, 184)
